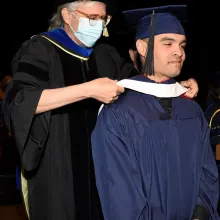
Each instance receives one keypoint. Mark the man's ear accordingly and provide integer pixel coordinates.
(133, 55)
(141, 46)
(66, 15)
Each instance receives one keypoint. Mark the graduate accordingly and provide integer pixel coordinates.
(151, 148)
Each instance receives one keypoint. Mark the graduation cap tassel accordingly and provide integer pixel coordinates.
(105, 31)
(149, 62)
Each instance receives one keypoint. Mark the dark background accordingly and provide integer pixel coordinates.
(22, 19)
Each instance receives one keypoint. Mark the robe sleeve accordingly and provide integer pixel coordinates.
(30, 78)
(110, 64)
(209, 183)
(118, 177)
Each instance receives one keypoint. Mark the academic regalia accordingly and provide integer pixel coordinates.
(212, 114)
(153, 164)
(110, 64)
(151, 148)
(46, 61)
(54, 146)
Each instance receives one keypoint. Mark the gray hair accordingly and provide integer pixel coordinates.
(57, 19)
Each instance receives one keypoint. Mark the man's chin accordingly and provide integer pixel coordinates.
(173, 75)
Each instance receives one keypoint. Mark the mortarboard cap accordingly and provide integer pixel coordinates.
(167, 19)
(148, 22)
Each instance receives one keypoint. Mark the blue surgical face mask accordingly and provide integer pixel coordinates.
(89, 31)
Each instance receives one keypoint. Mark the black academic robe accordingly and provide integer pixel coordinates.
(212, 114)
(54, 146)
(110, 64)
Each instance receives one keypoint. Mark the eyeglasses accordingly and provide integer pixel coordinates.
(93, 18)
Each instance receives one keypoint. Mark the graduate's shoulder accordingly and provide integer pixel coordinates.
(189, 106)
(113, 111)
(110, 117)
(189, 101)
(123, 110)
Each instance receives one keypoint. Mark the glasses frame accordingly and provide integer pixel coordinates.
(94, 17)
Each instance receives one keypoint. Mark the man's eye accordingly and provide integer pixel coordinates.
(93, 17)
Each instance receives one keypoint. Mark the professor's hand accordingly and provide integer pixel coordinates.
(105, 90)
(192, 87)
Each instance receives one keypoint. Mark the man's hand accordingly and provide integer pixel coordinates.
(192, 87)
(104, 90)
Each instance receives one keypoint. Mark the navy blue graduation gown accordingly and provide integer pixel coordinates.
(150, 166)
